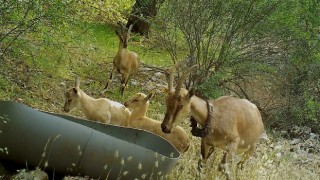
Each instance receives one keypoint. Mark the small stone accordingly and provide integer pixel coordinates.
(295, 141)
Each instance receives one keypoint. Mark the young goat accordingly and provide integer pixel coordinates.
(125, 62)
(139, 105)
(232, 124)
(101, 110)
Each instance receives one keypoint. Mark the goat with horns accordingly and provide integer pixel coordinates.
(125, 62)
(232, 124)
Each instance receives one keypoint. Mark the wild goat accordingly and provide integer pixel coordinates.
(232, 124)
(101, 110)
(139, 105)
(125, 62)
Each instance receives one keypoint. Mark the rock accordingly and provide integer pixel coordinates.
(154, 78)
(295, 141)
(134, 82)
(149, 86)
(283, 133)
(146, 69)
(19, 100)
(278, 147)
(313, 136)
(158, 74)
(278, 155)
(264, 137)
(294, 155)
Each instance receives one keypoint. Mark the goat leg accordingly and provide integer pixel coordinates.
(199, 168)
(110, 79)
(223, 166)
(124, 82)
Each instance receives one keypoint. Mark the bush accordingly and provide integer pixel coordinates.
(110, 11)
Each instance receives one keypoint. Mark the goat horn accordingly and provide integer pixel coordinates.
(77, 82)
(182, 78)
(130, 27)
(170, 74)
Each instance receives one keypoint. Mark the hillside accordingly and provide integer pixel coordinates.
(36, 83)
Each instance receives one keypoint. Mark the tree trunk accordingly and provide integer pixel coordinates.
(142, 12)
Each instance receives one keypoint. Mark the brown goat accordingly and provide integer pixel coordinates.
(139, 105)
(125, 62)
(101, 109)
(232, 124)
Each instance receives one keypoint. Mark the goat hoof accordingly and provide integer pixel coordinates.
(200, 166)
(220, 168)
(239, 166)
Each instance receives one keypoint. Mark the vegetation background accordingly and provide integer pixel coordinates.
(265, 51)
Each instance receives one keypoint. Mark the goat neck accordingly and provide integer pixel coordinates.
(199, 110)
(138, 113)
(121, 46)
(86, 103)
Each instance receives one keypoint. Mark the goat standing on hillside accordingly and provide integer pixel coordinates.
(125, 62)
(139, 105)
(232, 124)
(101, 110)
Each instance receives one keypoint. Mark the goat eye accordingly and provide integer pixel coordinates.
(180, 107)
(69, 100)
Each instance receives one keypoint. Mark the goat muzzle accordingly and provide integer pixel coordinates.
(126, 104)
(165, 129)
(66, 110)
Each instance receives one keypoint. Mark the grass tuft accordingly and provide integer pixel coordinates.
(35, 81)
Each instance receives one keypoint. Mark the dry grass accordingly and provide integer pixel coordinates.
(38, 88)
(272, 160)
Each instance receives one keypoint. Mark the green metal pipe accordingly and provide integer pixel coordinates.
(73, 146)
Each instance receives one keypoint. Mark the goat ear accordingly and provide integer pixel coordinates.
(191, 92)
(75, 90)
(130, 28)
(150, 96)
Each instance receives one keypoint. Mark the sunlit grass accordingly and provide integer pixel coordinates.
(36, 81)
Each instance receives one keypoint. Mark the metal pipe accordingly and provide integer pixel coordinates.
(73, 146)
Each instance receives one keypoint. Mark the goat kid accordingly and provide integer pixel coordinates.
(234, 125)
(125, 62)
(139, 105)
(101, 109)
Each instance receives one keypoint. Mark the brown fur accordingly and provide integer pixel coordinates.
(101, 109)
(125, 61)
(235, 124)
(235, 127)
(139, 105)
